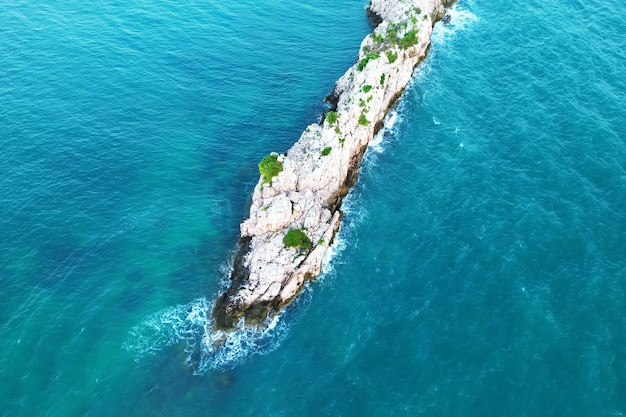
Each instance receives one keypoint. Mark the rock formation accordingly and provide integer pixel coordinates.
(317, 172)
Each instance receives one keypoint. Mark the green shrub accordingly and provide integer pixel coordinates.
(296, 238)
(367, 88)
(326, 151)
(382, 79)
(377, 37)
(392, 32)
(392, 56)
(363, 120)
(337, 130)
(342, 141)
(332, 117)
(269, 167)
(425, 17)
(362, 63)
(409, 39)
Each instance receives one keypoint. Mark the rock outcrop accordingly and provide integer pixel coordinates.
(321, 167)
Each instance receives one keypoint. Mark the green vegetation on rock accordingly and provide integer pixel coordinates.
(362, 63)
(367, 88)
(332, 117)
(377, 37)
(409, 39)
(382, 79)
(269, 167)
(363, 120)
(392, 36)
(326, 151)
(392, 56)
(296, 238)
(392, 33)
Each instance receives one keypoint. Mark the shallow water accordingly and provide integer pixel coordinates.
(479, 269)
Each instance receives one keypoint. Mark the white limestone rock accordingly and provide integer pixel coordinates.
(321, 166)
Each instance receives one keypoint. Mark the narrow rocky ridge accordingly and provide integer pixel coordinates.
(322, 166)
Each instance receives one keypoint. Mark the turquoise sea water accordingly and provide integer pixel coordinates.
(480, 268)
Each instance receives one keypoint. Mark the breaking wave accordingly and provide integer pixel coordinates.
(205, 349)
(378, 141)
(460, 19)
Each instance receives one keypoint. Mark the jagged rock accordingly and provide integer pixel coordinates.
(322, 166)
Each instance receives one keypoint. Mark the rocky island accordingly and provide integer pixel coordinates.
(295, 211)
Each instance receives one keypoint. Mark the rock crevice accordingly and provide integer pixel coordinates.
(322, 166)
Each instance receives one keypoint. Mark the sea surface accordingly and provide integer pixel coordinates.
(480, 269)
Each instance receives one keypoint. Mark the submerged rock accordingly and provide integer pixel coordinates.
(322, 166)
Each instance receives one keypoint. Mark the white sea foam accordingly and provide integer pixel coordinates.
(332, 253)
(189, 325)
(390, 120)
(378, 142)
(460, 19)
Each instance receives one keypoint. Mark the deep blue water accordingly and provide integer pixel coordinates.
(480, 268)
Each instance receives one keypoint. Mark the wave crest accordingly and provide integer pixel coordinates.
(460, 19)
(205, 349)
